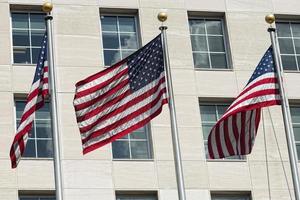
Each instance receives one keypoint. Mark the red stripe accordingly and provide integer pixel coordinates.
(250, 133)
(227, 138)
(235, 132)
(105, 95)
(118, 99)
(123, 133)
(101, 85)
(218, 142)
(124, 119)
(242, 133)
(99, 74)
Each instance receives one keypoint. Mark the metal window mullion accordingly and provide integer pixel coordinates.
(206, 37)
(146, 129)
(129, 147)
(290, 25)
(119, 37)
(29, 30)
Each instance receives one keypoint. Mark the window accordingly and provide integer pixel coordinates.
(289, 43)
(210, 114)
(119, 37)
(136, 145)
(27, 33)
(27, 197)
(208, 43)
(39, 144)
(230, 197)
(136, 197)
(295, 112)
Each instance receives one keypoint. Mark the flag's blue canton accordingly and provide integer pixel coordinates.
(146, 64)
(265, 65)
(41, 59)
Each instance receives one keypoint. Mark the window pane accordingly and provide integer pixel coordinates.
(126, 53)
(216, 44)
(22, 55)
(197, 26)
(198, 43)
(208, 113)
(29, 198)
(47, 198)
(128, 41)
(289, 62)
(44, 112)
(20, 105)
(45, 148)
(206, 128)
(295, 112)
(283, 29)
(19, 20)
(139, 149)
(218, 60)
(30, 149)
(35, 54)
(109, 23)
(297, 132)
(127, 24)
(21, 38)
(139, 134)
(297, 45)
(201, 60)
(136, 197)
(286, 46)
(221, 110)
(110, 41)
(37, 38)
(120, 149)
(298, 150)
(296, 29)
(43, 128)
(111, 57)
(37, 21)
(214, 27)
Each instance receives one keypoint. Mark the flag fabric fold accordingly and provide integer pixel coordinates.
(121, 98)
(35, 100)
(235, 131)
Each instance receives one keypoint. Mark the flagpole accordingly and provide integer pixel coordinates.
(162, 16)
(285, 110)
(47, 8)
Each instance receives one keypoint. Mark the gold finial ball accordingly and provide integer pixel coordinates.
(47, 7)
(270, 18)
(162, 16)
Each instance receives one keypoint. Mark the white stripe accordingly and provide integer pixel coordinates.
(126, 125)
(238, 124)
(231, 134)
(222, 139)
(253, 129)
(266, 75)
(120, 115)
(101, 79)
(214, 144)
(247, 129)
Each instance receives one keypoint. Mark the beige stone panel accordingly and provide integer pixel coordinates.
(134, 175)
(35, 173)
(191, 143)
(195, 174)
(77, 51)
(184, 82)
(72, 20)
(6, 139)
(89, 194)
(163, 119)
(242, 78)
(7, 109)
(119, 4)
(22, 77)
(149, 24)
(5, 78)
(8, 175)
(259, 175)
(87, 174)
(221, 174)
(263, 194)
(166, 174)
(6, 48)
(162, 143)
(9, 194)
(5, 16)
(69, 76)
(203, 5)
(248, 5)
(72, 146)
(26, 2)
(247, 49)
(292, 89)
(216, 84)
(284, 7)
(277, 175)
(196, 194)
(76, 2)
(187, 111)
(170, 4)
(66, 110)
(167, 194)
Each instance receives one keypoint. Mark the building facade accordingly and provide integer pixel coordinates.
(214, 47)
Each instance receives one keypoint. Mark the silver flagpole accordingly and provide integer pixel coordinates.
(285, 110)
(162, 16)
(47, 8)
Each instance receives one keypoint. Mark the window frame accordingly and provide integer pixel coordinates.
(288, 21)
(19, 99)
(116, 14)
(242, 158)
(298, 125)
(138, 194)
(36, 196)
(28, 12)
(227, 194)
(225, 38)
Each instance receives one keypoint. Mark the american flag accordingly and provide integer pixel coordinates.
(121, 98)
(35, 100)
(235, 132)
